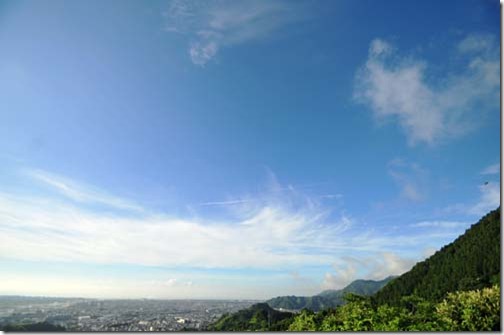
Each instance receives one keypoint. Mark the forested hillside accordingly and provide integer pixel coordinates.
(471, 262)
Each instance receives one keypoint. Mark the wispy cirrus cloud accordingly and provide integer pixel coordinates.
(439, 224)
(410, 177)
(489, 199)
(280, 226)
(428, 109)
(283, 228)
(224, 202)
(48, 230)
(80, 192)
(331, 196)
(477, 43)
(216, 24)
(491, 169)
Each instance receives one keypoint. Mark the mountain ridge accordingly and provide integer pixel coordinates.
(328, 298)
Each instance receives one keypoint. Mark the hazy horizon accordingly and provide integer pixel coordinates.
(138, 298)
(240, 149)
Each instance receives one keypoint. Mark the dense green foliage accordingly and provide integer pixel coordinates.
(471, 310)
(32, 327)
(476, 310)
(329, 298)
(259, 317)
(471, 262)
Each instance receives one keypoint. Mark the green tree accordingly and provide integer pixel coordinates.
(471, 311)
(304, 321)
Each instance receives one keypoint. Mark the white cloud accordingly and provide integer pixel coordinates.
(382, 265)
(439, 224)
(170, 282)
(476, 43)
(410, 177)
(49, 230)
(428, 110)
(80, 192)
(213, 24)
(331, 196)
(429, 252)
(344, 275)
(379, 47)
(280, 228)
(390, 264)
(225, 202)
(489, 199)
(492, 169)
(202, 52)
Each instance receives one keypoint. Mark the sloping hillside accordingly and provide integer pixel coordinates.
(470, 262)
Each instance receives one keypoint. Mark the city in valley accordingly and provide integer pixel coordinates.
(78, 314)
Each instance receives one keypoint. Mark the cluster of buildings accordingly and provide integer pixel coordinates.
(119, 315)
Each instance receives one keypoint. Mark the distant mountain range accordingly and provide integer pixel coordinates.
(328, 298)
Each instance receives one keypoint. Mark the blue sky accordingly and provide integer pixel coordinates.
(240, 149)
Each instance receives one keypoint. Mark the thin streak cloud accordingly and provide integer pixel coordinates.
(80, 192)
(224, 203)
(491, 169)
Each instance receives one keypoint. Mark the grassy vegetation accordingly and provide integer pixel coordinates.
(477, 310)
